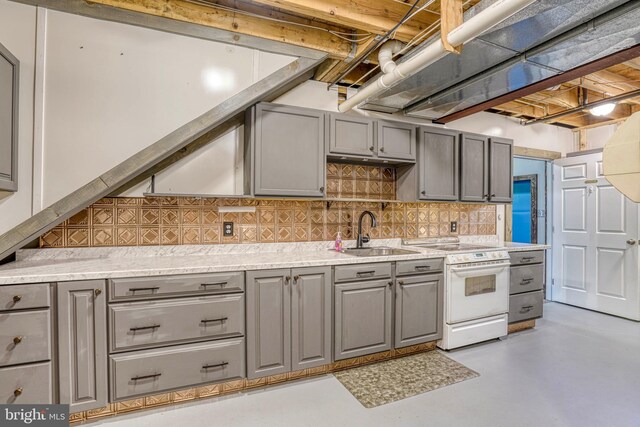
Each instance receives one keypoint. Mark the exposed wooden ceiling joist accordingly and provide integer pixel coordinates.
(375, 17)
(210, 16)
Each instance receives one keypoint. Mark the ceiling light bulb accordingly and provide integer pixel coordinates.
(602, 110)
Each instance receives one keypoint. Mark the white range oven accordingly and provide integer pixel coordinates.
(476, 291)
(476, 298)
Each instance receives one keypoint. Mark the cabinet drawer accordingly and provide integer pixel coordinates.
(529, 257)
(525, 306)
(25, 337)
(345, 273)
(155, 371)
(17, 297)
(420, 266)
(26, 384)
(526, 278)
(154, 287)
(150, 323)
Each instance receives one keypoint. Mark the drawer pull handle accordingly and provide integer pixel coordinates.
(143, 328)
(221, 284)
(17, 340)
(152, 288)
(423, 267)
(527, 258)
(145, 377)
(17, 298)
(17, 392)
(217, 365)
(206, 321)
(526, 281)
(365, 273)
(526, 308)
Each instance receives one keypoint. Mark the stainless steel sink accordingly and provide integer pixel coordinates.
(379, 251)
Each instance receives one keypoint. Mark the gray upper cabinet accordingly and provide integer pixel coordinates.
(439, 170)
(82, 344)
(419, 309)
(268, 323)
(500, 170)
(310, 317)
(396, 140)
(288, 320)
(288, 151)
(351, 136)
(474, 182)
(362, 318)
(9, 82)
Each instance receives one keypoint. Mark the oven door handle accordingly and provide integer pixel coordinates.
(497, 267)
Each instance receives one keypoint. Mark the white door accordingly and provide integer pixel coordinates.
(595, 251)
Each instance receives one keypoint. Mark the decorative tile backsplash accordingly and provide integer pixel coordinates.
(141, 221)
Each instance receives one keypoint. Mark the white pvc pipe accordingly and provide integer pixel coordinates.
(467, 31)
(385, 55)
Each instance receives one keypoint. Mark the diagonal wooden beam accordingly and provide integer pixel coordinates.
(125, 173)
(366, 15)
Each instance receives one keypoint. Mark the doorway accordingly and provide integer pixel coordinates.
(525, 209)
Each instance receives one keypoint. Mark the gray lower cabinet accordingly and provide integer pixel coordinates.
(500, 170)
(363, 318)
(26, 384)
(82, 344)
(474, 163)
(419, 309)
(527, 279)
(152, 371)
(288, 320)
(288, 151)
(351, 136)
(396, 140)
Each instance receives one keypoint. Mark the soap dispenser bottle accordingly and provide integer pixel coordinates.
(338, 242)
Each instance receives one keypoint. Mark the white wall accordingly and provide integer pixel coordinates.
(17, 33)
(108, 90)
(598, 137)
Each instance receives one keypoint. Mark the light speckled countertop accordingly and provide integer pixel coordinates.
(56, 265)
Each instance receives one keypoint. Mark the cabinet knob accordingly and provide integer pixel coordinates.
(424, 193)
(486, 196)
(287, 279)
(371, 148)
(322, 189)
(631, 242)
(97, 291)
(17, 298)
(17, 392)
(401, 282)
(390, 283)
(17, 340)
(382, 149)
(296, 278)
(492, 196)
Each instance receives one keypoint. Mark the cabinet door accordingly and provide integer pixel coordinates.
(474, 185)
(289, 151)
(351, 135)
(310, 317)
(500, 170)
(362, 318)
(396, 140)
(419, 303)
(439, 168)
(268, 323)
(9, 75)
(82, 344)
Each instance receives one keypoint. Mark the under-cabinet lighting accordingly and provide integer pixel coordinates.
(236, 209)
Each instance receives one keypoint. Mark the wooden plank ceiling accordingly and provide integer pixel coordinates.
(345, 29)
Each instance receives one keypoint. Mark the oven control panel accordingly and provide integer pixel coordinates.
(477, 256)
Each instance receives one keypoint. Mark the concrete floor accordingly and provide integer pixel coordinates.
(577, 368)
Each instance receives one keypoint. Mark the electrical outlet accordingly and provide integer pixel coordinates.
(454, 226)
(227, 228)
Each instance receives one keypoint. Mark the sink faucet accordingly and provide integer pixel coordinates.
(364, 239)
